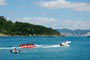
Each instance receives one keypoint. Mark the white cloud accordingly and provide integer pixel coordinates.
(57, 24)
(2, 2)
(75, 24)
(79, 6)
(49, 22)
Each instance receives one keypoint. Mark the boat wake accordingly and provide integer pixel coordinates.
(47, 46)
(8, 48)
(38, 46)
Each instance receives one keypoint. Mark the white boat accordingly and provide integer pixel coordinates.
(15, 51)
(66, 43)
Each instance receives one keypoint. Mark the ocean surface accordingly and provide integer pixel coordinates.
(48, 48)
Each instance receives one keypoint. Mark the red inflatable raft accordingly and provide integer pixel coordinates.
(27, 46)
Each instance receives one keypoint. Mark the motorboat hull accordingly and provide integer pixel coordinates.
(66, 43)
(17, 51)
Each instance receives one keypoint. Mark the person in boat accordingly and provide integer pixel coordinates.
(22, 45)
(15, 49)
(32, 44)
(62, 44)
(26, 45)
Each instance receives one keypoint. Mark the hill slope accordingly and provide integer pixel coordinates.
(19, 28)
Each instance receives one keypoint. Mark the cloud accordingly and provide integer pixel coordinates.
(48, 22)
(56, 23)
(79, 6)
(2, 2)
(75, 24)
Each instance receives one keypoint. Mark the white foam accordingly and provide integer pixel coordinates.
(47, 46)
(38, 46)
(8, 47)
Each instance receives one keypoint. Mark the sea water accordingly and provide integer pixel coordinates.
(48, 48)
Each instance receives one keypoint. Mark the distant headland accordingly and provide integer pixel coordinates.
(9, 28)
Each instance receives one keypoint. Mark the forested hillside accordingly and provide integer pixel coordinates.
(19, 28)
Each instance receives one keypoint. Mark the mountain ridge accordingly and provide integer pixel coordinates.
(77, 31)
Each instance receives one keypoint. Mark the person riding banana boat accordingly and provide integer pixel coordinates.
(27, 46)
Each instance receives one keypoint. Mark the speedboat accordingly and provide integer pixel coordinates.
(66, 43)
(15, 51)
(27, 46)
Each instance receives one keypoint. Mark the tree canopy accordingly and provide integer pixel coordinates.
(19, 28)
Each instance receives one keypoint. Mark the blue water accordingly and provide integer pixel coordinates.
(49, 48)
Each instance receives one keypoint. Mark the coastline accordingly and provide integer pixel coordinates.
(29, 35)
(3, 35)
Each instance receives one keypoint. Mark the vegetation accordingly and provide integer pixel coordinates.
(20, 28)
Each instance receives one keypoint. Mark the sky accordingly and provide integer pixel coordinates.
(56, 14)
